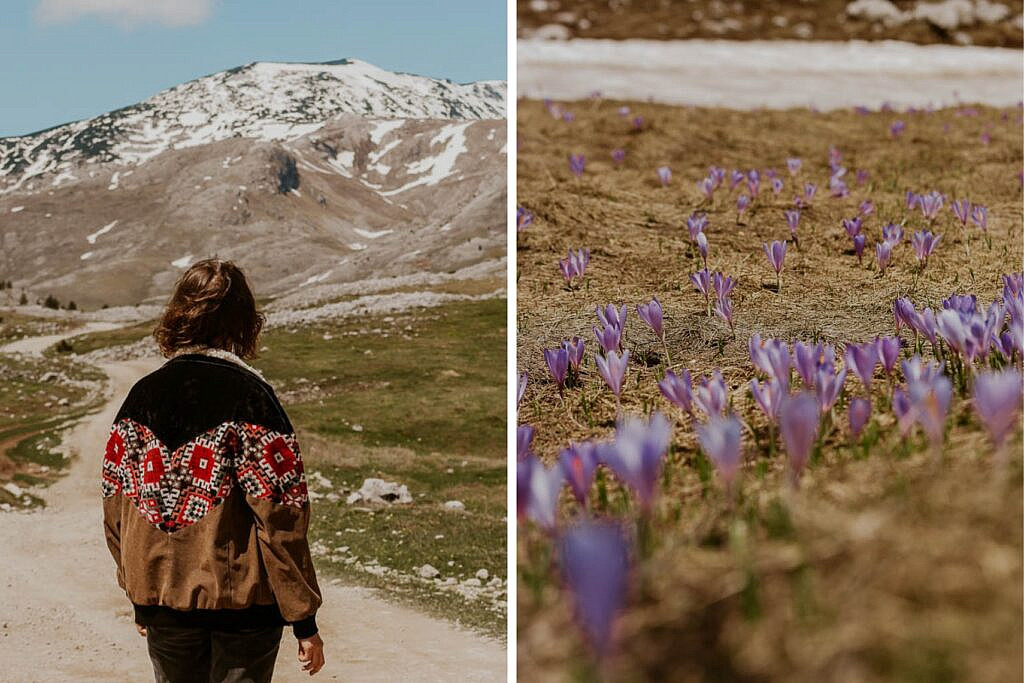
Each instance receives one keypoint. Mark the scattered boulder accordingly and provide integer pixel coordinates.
(382, 492)
(428, 572)
(455, 506)
(483, 574)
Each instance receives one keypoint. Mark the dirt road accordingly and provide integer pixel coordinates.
(63, 617)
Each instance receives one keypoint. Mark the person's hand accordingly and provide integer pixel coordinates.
(141, 629)
(311, 653)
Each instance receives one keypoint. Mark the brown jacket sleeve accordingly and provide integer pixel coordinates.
(280, 505)
(112, 532)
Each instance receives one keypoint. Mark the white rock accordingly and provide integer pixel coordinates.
(949, 14)
(472, 582)
(14, 489)
(455, 506)
(483, 574)
(876, 10)
(428, 572)
(357, 428)
(380, 491)
(552, 32)
(990, 12)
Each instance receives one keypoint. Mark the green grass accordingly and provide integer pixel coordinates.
(425, 390)
(15, 325)
(84, 343)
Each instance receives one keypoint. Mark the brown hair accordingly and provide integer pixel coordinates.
(212, 306)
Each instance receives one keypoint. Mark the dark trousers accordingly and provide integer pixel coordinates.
(197, 655)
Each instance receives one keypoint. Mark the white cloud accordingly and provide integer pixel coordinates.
(126, 13)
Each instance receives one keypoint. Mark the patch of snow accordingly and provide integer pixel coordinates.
(371, 234)
(91, 239)
(313, 279)
(17, 209)
(357, 246)
(440, 166)
(86, 256)
(788, 73)
(114, 180)
(383, 128)
(183, 262)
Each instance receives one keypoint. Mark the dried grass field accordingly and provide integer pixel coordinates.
(891, 561)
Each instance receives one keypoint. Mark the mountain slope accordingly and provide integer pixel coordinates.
(278, 175)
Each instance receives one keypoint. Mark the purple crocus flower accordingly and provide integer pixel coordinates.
(638, 453)
(897, 128)
(810, 189)
(723, 284)
(609, 337)
(858, 246)
(888, 352)
(610, 316)
(612, 368)
(523, 218)
(962, 210)
(930, 406)
(862, 176)
(979, 216)
(717, 175)
(545, 485)
(695, 224)
(678, 389)
(735, 178)
(711, 395)
(723, 309)
(524, 441)
(883, 254)
(742, 202)
(771, 357)
(853, 226)
(806, 359)
(838, 187)
(777, 185)
(866, 208)
(904, 313)
(594, 557)
(767, 396)
(577, 163)
(827, 386)
(754, 182)
(720, 439)
(924, 243)
(651, 314)
(578, 463)
(558, 365)
(706, 186)
(618, 156)
(524, 379)
(862, 359)
(776, 253)
(524, 470)
(702, 282)
(892, 234)
(575, 264)
(793, 164)
(574, 347)
(798, 426)
(638, 123)
(702, 247)
(792, 220)
(859, 413)
(913, 199)
(997, 400)
(664, 175)
(930, 204)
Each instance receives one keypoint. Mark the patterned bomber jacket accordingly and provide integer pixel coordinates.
(204, 500)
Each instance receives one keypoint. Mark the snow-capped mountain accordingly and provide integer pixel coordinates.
(309, 175)
(263, 101)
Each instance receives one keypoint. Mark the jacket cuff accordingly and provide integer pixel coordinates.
(306, 628)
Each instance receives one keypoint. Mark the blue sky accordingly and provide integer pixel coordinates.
(71, 59)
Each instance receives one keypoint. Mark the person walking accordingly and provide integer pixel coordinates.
(205, 504)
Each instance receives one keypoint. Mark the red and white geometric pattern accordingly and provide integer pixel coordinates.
(175, 490)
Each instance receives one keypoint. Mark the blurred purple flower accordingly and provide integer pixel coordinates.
(717, 175)
(862, 176)
(930, 204)
(678, 389)
(618, 156)
(897, 128)
(852, 226)
(723, 284)
(637, 453)
(594, 557)
(577, 163)
(979, 216)
(792, 220)
(924, 243)
(777, 185)
(720, 439)
(767, 396)
(806, 359)
(702, 281)
(754, 182)
(702, 247)
(706, 186)
(742, 202)
(776, 253)
(858, 246)
(862, 359)
(558, 365)
(524, 441)
(578, 463)
(997, 400)
(735, 178)
(638, 123)
(612, 368)
(810, 189)
(798, 426)
(651, 314)
(793, 164)
(695, 224)
(523, 218)
(524, 379)
(723, 309)
(866, 208)
(545, 485)
(770, 356)
(711, 394)
(827, 385)
(892, 234)
(913, 199)
(664, 175)
(609, 337)
(888, 352)
(859, 413)
(962, 210)
(883, 254)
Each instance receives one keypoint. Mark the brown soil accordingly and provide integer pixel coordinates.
(889, 567)
(771, 20)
